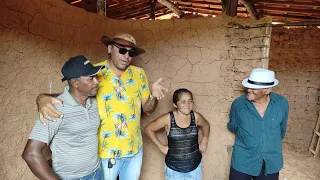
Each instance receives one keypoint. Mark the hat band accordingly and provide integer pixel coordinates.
(261, 83)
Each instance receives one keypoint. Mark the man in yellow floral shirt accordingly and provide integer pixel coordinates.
(123, 90)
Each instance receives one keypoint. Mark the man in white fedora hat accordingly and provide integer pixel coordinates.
(259, 120)
(123, 92)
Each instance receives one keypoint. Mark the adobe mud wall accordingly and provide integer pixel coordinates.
(206, 55)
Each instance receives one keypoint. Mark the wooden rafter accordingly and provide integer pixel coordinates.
(293, 16)
(124, 11)
(199, 3)
(280, 10)
(172, 7)
(136, 12)
(251, 9)
(158, 13)
(196, 7)
(130, 4)
(289, 2)
(303, 11)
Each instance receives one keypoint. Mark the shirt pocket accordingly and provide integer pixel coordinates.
(248, 132)
(276, 120)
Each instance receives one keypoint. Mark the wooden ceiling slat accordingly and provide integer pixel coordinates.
(312, 11)
(133, 13)
(284, 10)
(143, 13)
(128, 4)
(288, 2)
(158, 14)
(209, 8)
(292, 16)
(126, 11)
(199, 3)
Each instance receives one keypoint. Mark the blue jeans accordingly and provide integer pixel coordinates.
(192, 175)
(96, 175)
(126, 168)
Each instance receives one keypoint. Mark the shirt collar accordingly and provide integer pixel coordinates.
(68, 98)
(110, 70)
(250, 105)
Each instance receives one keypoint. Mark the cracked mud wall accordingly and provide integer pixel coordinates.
(295, 57)
(207, 55)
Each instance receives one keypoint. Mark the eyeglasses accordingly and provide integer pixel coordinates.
(123, 51)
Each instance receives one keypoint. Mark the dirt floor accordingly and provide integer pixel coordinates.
(299, 165)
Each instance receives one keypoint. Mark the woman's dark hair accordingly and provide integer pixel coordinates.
(177, 95)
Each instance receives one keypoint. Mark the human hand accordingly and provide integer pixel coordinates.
(158, 90)
(164, 149)
(46, 108)
(203, 144)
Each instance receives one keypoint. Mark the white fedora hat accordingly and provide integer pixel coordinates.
(260, 78)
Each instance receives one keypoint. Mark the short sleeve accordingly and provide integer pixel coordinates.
(46, 133)
(144, 85)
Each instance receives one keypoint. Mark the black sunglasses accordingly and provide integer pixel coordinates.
(122, 50)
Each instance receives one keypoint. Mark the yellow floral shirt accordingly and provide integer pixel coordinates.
(119, 102)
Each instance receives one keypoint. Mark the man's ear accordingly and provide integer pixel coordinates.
(109, 48)
(74, 83)
(267, 91)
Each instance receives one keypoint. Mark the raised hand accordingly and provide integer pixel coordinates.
(158, 90)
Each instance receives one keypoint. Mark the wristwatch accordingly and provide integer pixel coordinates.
(151, 97)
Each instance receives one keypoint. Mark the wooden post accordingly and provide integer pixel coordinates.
(101, 7)
(231, 9)
(153, 9)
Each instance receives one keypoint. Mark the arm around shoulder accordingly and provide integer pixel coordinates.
(46, 108)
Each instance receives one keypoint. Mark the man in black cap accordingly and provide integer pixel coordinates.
(73, 140)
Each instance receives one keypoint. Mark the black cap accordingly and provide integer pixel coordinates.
(78, 66)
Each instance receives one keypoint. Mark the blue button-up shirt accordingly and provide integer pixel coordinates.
(258, 138)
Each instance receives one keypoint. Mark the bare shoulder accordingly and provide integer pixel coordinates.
(164, 117)
(197, 115)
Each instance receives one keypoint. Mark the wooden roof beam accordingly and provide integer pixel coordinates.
(157, 13)
(199, 3)
(289, 2)
(126, 10)
(208, 8)
(172, 7)
(251, 9)
(130, 4)
(206, 11)
(136, 13)
(292, 16)
(306, 11)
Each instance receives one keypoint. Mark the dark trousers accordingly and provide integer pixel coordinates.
(236, 175)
